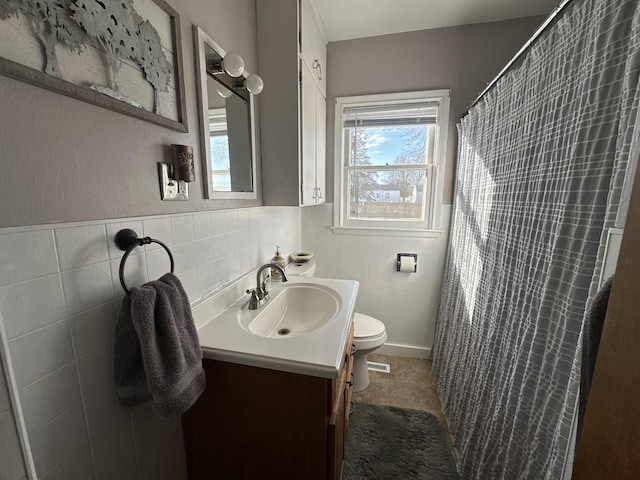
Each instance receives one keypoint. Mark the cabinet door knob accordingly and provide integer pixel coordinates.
(319, 193)
(318, 68)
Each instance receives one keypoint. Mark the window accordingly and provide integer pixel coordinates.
(390, 160)
(219, 148)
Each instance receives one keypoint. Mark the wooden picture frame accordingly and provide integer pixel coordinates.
(80, 71)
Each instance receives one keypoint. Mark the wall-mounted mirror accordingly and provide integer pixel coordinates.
(227, 123)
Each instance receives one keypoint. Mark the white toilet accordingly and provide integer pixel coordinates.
(369, 333)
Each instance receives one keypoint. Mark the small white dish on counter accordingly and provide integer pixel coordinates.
(301, 256)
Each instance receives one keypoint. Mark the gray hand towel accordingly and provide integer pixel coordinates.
(157, 354)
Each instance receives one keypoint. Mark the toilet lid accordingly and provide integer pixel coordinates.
(366, 326)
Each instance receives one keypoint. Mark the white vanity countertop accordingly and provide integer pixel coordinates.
(318, 353)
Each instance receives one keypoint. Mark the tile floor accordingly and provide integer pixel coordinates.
(408, 385)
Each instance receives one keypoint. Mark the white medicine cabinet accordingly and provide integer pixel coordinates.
(292, 62)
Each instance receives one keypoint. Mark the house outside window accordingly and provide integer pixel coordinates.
(390, 151)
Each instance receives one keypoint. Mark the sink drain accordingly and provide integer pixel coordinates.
(284, 331)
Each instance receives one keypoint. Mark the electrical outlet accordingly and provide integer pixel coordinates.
(171, 189)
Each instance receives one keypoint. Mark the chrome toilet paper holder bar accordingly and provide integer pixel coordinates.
(415, 259)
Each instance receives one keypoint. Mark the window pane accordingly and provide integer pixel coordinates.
(388, 195)
(220, 164)
(406, 145)
(219, 149)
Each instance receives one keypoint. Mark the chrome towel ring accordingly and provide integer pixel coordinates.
(128, 240)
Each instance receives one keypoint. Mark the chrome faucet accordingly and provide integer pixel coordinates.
(260, 294)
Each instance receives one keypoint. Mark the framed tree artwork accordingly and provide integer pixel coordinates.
(125, 55)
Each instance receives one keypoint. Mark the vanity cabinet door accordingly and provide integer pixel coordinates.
(313, 45)
(337, 439)
(313, 162)
(255, 423)
(348, 397)
(344, 376)
(339, 414)
(321, 157)
(309, 140)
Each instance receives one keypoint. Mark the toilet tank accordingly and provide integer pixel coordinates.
(301, 269)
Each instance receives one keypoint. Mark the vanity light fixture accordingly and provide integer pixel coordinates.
(232, 64)
(253, 84)
(223, 91)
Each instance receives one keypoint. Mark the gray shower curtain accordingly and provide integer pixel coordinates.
(541, 165)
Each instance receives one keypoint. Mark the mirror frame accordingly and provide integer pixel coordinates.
(200, 39)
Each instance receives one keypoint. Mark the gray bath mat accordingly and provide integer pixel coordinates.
(396, 443)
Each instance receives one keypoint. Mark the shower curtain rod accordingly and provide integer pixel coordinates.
(541, 29)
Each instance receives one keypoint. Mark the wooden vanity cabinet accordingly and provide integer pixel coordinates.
(339, 419)
(255, 423)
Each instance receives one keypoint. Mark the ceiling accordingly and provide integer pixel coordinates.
(347, 19)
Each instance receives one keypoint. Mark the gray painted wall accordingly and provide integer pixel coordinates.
(65, 160)
(463, 59)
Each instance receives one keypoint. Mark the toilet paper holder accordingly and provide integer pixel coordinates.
(415, 259)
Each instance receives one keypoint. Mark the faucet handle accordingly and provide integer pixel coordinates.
(254, 302)
(253, 293)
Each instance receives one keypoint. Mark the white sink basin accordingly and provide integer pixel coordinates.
(295, 310)
(316, 312)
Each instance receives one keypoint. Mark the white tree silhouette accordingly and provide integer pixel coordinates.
(114, 25)
(118, 31)
(154, 63)
(8, 8)
(50, 21)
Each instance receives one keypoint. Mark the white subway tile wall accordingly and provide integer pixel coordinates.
(407, 303)
(10, 455)
(40, 260)
(11, 458)
(76, 464)
(59, 295)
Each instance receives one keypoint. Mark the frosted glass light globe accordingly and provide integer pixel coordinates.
(254, 84)
(233, 64)
(223, 91)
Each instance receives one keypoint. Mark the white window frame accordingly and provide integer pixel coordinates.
(432, 226)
